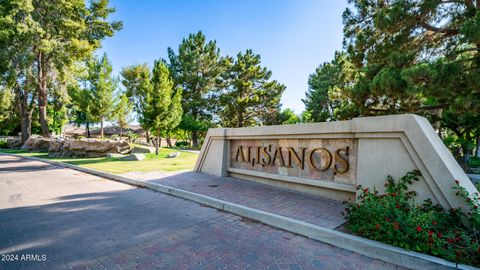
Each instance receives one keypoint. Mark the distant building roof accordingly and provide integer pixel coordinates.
(108, 131)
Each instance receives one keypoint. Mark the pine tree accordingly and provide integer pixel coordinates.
(136, 80)
(122, 112)
(102, 86)
(417, 57)
(196, 69)
(250, 97)
(329, 91)
(164, 110)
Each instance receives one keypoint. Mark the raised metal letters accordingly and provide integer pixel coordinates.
(306, 158)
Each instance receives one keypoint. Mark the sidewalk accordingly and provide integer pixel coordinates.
(312, 209)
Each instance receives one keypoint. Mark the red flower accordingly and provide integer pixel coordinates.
(387, 219)
(394, 194)
(419, 229)
(434, 222)
(396, 226)
(439, 234)
(430, 233)
(397, 205)
(365, 190)
(377, 226)
(475, 206)
(450, 240)
(457, 253)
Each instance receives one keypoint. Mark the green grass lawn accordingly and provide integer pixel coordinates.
(152, 162)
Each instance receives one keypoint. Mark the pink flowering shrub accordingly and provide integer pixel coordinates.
(394, 218)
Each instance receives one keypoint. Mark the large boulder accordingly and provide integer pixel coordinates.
(137, 149)
(37, 144)
(14, 143)
(87, 148)
(134, 157)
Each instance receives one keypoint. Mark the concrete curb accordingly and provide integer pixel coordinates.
(370, 248)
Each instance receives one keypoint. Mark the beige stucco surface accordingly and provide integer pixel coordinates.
(387, 145)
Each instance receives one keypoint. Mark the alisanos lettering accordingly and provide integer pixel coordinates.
(319, 158)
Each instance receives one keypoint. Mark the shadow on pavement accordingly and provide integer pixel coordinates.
(87, 226)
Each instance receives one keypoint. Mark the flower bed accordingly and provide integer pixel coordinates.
(394, 218)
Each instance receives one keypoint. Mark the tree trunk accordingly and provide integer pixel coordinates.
(477, 147)
(25, 113)
(157, 145)
(194, 139)
(26, 125)
(467, 151)
(169, 143)
(147, 134)
(87, 130)
(101, 129)
(121, 133)
(42, 97)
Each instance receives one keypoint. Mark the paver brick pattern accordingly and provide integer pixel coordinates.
(313, 209)
(81, 221)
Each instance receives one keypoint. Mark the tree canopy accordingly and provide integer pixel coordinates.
(39, 43)
(164, 108)
(250, 97)
(197, 68)
(404, 57)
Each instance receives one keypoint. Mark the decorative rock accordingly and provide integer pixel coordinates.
(133, 157)
(114, 155)
(173, 155)
(36, 144)
(86, 148)
(143, 150)
(14, 142)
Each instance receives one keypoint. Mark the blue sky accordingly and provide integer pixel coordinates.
(292, 36)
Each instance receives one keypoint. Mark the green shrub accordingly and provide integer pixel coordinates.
(3, 144)
(132, 136)
(474, 162)
(395, 219)
(182, 144)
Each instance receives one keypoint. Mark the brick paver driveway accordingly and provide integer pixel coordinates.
(56, 218)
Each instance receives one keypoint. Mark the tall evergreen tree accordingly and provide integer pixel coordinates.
(250, 95)
(82, 102)
(417, 57)
(327, 98)
(102, 86)
(136, 80)
(122, 111)
(196, 69)
(164, 109)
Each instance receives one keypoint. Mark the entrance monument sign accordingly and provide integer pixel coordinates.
(332, 158)
(317, 159)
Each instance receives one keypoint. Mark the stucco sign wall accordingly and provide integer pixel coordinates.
(331, 158)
